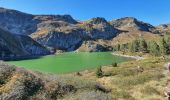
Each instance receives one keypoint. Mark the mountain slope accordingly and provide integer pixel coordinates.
(163, 29)
(130, 22)
(62, 32)
(66, 36)
(31, 46)
(12, 45)
(21, 23)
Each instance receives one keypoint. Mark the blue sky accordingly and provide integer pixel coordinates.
(152, 11)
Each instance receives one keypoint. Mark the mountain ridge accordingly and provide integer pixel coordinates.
(62, 32)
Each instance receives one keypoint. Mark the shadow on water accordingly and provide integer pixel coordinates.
(19, 58)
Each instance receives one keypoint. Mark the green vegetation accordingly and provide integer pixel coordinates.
(130, 82)
(134, 46)
(69, 62)
(143, 47)
(99, 72)
(114, 64)
(163, 46)
(155, 48)
(148, 90)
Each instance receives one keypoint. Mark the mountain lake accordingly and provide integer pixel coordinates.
(69, 62)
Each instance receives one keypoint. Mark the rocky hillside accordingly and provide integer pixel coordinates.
(69, 37)
(17, 22)
(56, 31)
(62, 32)
(129, 22)
(133, 29)
(12, 46)
(21, 23)
(19, 84)
(163, 29)
(31, 46)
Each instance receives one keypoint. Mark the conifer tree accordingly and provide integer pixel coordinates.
(163, 46)
(134, 46)
(168, 44)
(143, 45)
(154, 48)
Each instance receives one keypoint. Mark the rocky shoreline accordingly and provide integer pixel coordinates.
(128, 56)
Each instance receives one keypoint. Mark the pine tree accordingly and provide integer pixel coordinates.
(163, 46)
(168, 43)
(134, 46)
(154, 48)
(143, 45)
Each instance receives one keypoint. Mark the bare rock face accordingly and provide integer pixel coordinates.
(9, 45)
(31, 46)
(130, 22)
(99, 28)
(69, 36)
(17, 22)
(12, 45)
(60, 40)
(92, 46)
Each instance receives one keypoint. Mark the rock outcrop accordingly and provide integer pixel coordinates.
(13, 46)
(67, 36)
(93, 46)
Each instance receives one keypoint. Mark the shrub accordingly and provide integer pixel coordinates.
(99, 72)
(114, 64)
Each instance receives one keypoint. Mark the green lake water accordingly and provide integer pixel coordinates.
(69, 62)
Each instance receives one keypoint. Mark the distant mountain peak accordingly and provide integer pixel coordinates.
(3, 9)
(131, 22)
(128, 18)
(163, 29)
(65, 18)
(12, 11)
(98, 20)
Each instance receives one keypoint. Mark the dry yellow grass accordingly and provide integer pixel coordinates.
(7, 87)
(126, 37)
(40, 33)
(128, 82)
